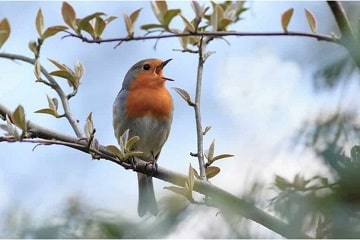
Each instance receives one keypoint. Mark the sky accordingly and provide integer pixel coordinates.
(256, 93)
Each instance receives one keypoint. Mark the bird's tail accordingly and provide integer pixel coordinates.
(147, 201)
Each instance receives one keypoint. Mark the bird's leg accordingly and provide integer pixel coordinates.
(153, 163)
(132, 162)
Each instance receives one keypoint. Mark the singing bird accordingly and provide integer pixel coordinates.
(145, 107)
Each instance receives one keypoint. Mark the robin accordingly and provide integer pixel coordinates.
(145, 107)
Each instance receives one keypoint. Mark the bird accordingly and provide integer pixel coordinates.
(144, 106)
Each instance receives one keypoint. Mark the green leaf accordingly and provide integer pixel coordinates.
(99, 27)
(4, 31)
(123, 139)
(132, 154)
(67, 75)
(184, 41)
(11, 129)
(130, 142)
(79, 71)
(311, 20)
(134, 15)
(83, 22)
(232, 10)
(63, 74)
(224, 23)
(39, 22)
(169, 15)
(198, 10)
(285, 18)
(109, 19)
(159, 8)
(181, 191)
(87, 27)
(210, 152)
(49, 111)
(151, 26)
(33, 47)
(89, 126)
(52, 102)
(37, 70)
(50, 31)
(194, 40)
(116, 151)
(212, 171)
(184, 94)
(216, 17)
(69, 15)
(129, 25)
(130, 21)
(189, 26)
(57, 64)
(18, 118)
(222, 156)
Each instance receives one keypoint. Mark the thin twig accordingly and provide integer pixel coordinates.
(54, 85)
(199, 130)
(320, 37)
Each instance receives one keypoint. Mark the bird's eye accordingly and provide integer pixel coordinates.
(146, 67)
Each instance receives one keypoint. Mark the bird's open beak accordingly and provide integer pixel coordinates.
(162, 65)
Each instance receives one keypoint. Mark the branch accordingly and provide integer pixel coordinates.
(348, 39)
(219, 198)
(199, 130)
(341, 18)
(320, 37)
(54, 85)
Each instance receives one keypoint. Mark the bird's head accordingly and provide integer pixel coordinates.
(146, 73)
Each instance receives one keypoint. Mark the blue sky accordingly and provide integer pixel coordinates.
(256, 93)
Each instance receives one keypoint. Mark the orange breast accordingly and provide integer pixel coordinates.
(149, 101)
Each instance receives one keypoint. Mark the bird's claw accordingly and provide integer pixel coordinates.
(132, 162)
(154, 166)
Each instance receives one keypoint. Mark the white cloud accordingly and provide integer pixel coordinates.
(269, 98)
(264, 92)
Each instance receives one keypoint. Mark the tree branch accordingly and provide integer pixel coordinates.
(320, 37)
(348, 39)
(341, 18)
(199, 129)
(54, 85)
(219, 198)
